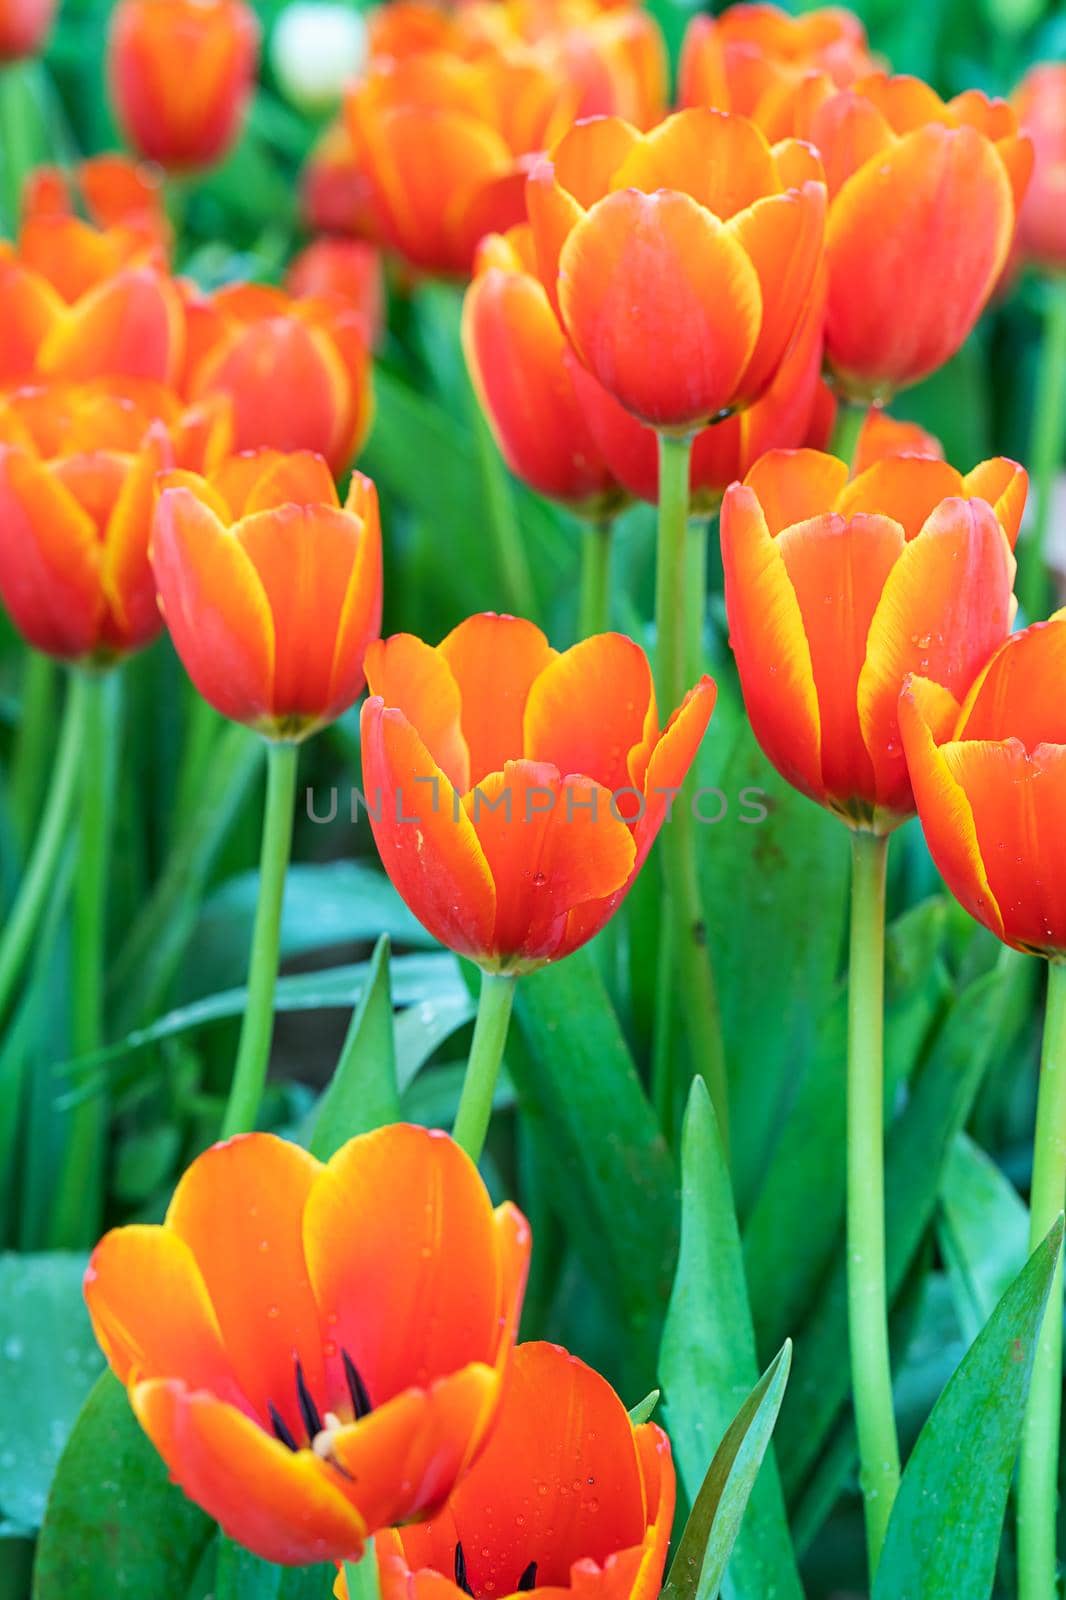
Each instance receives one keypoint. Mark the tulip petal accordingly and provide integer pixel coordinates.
(412, 677)
(49, 559)
(125, 570)
(551, 843)
(906, 490)
(795, 485)
(299, 477)
(944, 805)
(677, 359)
(214, 606)
(151, 1312)
(766, 631)
(360, 619)
(939, 206)
(1004, 484)
(405, 1457)
(1011, 698)
(671, 759)
(838, 570)
(286, 1506)
(494, 660)
(782, 236)
(130, 325)
(401, 1246)
(591, 708)
(723, 162)
(239, 1208)
(30, 308)
(946, 607)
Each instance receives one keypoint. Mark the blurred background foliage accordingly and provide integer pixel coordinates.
(590, 1161)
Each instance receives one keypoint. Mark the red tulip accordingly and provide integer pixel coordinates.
(1041, 106)
(24, 27)
(350, 269)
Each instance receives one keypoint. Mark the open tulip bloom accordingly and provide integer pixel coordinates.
(316, 1350)
(836, 590)
(514, 794)
(567, 1496)
(990, 786)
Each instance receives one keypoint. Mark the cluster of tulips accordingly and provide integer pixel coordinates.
(707, 308)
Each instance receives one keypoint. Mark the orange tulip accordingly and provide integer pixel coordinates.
(335, 192)
(515, 1521)
(270, 589)
(755, 58)
(680, 261)
(482, 119)
(181, 73)
(316, 1351)
(836, 590)
(514, 792)
(112, 191)
(24, 27)
(725, 450)
(77, 472)
(517, 359)
(923, 202)
(1041, 106)
(318, 397)
(990, 786)
(350, 269)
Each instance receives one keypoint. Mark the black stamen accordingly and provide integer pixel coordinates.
(308, 1409)
(280, 1427)
(461, 1580)
(356, 1388)
(528, 1580)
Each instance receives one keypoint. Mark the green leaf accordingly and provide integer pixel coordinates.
(240, 1575)
(49, 1361)
(362, 1093)
(711, 1532)
(598, 1141)
(708, 1363)
(643, 1409)
(943, 1536)
(916, 1148)
(983, 1233)
(115, 1527)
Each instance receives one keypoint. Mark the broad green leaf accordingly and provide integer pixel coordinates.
(708, 1365)
(432, 1100)
(49, 1361)
(711, 1531)
(983, 1232)
(362, 1093)
(786, 1265)
(240, 1575)
(599, 1143)
(943, 1536)
(916, 1148)
(362, 1576)
(643, 1410)
(115, 1527)
(328, 904)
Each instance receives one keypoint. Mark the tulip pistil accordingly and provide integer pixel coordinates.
(527, 1581)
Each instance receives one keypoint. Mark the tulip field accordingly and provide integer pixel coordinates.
(532, 800)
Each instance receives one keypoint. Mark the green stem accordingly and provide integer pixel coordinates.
(1039, 1460)
(696, 594)
(678, 616)
(51, 837)
(16, 140)
(78, 1202)
(483, 1064)
(871, 1369)
(1046, 448)
(257, 1030)
(33, 743)
(846, 430)
(511, 559)
(594, 606)
(203, 726)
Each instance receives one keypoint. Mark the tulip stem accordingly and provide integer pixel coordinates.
(78, 1203)
(846, 431)
(29, 762)
(1039, 1460)
(25, 914)
(257, 1030)
(871, 1369)
(483, 1064)
(513, 564)
(594, 606)
(679, 606)
(696, 588)
(1046, 447)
